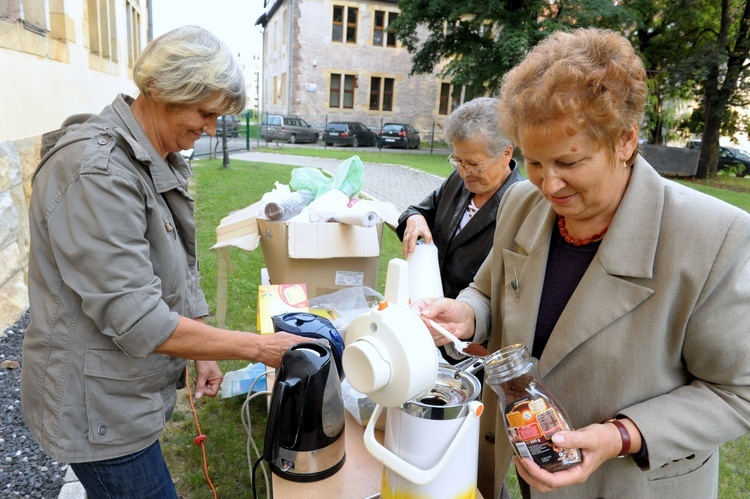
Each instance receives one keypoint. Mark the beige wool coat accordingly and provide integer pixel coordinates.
(658, 330)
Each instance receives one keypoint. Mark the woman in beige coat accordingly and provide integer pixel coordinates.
(633, 291)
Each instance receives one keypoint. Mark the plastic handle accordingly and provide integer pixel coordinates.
(408, 470)
(271, 443)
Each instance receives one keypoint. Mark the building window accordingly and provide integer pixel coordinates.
(445, 89)
(452, 96)
(344, 21)
(33, 13)
(285, 21)
(276, 90)
(342, 91)
(282, 89)
(102, 34)
(134, 32)
(381, 32)
(381, 94)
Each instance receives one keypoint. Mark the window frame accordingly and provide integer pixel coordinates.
(343, 29)
(344, 86)
(382, 90)
(382, 35)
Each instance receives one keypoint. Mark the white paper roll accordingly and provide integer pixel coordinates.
(362, 219)
(424, 273)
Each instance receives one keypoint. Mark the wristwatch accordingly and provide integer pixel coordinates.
(624, 435)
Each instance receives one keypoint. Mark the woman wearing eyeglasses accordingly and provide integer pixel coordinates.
(459, 217)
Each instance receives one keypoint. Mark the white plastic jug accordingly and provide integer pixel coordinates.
(431, 442)
(432, 421)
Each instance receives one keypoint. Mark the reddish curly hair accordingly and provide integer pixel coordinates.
(587, 79)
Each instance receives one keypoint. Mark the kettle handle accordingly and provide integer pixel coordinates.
(271, 442)
(408, 470)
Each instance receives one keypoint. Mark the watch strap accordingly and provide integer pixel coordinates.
(624, 436)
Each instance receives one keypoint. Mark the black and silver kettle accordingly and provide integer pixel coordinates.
(305, 432)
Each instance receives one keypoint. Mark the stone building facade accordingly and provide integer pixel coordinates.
(59, 58)
(335, 60)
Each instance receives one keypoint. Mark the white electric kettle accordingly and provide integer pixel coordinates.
(432, 418)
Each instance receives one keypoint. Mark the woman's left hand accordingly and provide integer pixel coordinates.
(208, 378)
(598, 443)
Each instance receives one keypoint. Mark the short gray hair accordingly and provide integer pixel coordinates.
(186, 65)
(478, 120)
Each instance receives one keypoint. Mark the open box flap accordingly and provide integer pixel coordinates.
(239, 229)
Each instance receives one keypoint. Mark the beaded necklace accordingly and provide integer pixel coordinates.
(577, 242)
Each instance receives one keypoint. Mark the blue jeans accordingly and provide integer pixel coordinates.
(142, 475)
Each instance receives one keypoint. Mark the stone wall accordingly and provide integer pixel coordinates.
(18, 159)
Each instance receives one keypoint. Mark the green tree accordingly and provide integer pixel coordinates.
(657, 34)
(725, 51)
(475, 42)
(692, 49)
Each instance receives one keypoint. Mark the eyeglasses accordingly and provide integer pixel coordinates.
(471, 170)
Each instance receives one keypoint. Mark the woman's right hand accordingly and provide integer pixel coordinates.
(455, 316)
(416, 227)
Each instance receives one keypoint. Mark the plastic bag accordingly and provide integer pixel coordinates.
(282, 204)
(348, 178)
(324, 207)
(360, 406)
(310, 179)
(241, 381)
(348, 304)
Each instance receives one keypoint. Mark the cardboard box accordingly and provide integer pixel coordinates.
(279, 299)
(325, 256)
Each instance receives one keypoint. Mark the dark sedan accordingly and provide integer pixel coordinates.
(232, 124)
(349, 133)
(399, 135)
(732, 157)
(729, 157)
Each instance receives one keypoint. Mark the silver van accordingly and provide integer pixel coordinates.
(287, 129)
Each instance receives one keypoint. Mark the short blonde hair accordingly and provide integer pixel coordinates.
(186, 66)
(587, 80)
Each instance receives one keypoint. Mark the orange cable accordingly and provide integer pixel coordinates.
(201, 438)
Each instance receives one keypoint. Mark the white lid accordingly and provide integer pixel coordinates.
(390, 355)
(369, 370)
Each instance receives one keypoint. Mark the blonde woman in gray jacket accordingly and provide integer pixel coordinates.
(116, 306)
(632, 291)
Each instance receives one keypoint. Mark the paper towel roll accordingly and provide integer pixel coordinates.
(424, 273)
(362, 219)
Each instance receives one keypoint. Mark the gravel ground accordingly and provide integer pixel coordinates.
(25, 470)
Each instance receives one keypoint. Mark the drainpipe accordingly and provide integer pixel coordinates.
(150, 9)
(290, 17)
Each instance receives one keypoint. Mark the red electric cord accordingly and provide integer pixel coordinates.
(201, 438)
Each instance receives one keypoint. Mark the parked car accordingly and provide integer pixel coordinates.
(399, 134)
(349, 133)
(287, 128)
(731, 156)
(232, 124)
(728, 156)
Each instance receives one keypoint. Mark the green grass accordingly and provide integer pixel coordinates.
(733, 190)
(219, 191)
